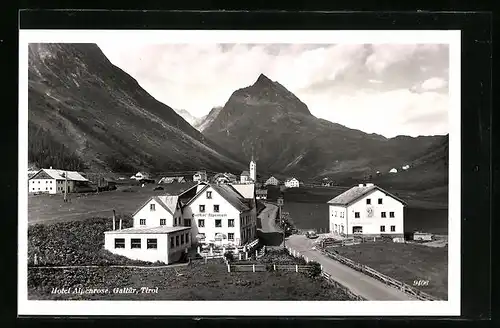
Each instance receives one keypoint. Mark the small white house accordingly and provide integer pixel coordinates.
(139, 176)
(53, 181)
(245, 177)
(405, 167)
(272, 181)
(367, 210)
(151, 244)
(393, 170)
(200, 176)
(292, 183)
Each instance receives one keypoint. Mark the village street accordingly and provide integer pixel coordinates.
(357, 282)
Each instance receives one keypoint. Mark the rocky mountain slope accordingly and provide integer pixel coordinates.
(192, 120)
(102, 116)
(208, 119)
(268, 120)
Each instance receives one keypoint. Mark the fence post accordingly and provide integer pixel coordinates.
(206, 259)
(246, 255)
(256, 253)
(228, 268)
(296, 268)
(274, 267)
(211, 251)
(223, 250)
(239, 256)
(253, 267)
(199, 249)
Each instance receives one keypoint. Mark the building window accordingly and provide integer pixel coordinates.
(218, 223)
(383, 214)
(368, 201)
(176, 240)
(216, 208)
(356, 215)
(393, 228)
(230, 236)
(163, 222)
(135, 243)
(230, 223)
(187, 237)
(152, 207)
(142, 221)
(202, 208)
(380, 201)
(152, 243)
(382, 228)
(119, 243)
(50, 181)
(335, 213)
(341, 214)
(172, 242)
(391, 214)
(209, 195)
(38, 181)
(201, 223)
(182, 239)
(187, 222)
(50, 188)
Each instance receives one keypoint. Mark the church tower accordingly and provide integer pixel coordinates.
(253, 170)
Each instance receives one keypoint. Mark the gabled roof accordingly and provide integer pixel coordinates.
(159, 201)
(59, 174)
(290, 179)
(228, 193)
(245, 173)
(350, 196)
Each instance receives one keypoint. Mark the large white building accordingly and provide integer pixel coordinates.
(367, 210)
(221, 215)
(55, 181)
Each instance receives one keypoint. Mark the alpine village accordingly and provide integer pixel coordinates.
(129, 199)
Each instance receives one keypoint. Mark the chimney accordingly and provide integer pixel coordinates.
(50, 167)
(120, 223)
(114, 218)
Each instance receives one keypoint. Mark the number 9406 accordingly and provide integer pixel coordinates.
(420, 283)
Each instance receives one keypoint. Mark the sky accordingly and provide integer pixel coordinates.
(388, 89)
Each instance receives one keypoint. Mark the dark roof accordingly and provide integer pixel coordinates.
(176, 189)
(245, 173)
(353, 194)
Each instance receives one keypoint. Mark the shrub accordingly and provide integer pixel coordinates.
(229, 256)
(315, 270)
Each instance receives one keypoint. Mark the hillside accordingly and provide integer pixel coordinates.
(208, 119)
(104, 118)
(268, 120)
(192, 120)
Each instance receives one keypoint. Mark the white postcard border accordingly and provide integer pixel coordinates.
(247, 308)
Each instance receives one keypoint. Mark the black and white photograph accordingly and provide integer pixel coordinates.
(321, 168)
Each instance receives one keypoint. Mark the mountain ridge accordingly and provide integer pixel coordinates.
(103, 115)
(267, 119)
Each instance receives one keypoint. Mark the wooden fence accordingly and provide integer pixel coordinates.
(263, 268)
(333, 282)
(409, 290)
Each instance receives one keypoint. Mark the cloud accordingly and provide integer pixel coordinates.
(433, 83)
(350, 84)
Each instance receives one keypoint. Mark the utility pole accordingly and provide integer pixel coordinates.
(65, 187)
(280, 204)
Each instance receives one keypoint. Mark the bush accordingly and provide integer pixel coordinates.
(229, 256)
(315, 270)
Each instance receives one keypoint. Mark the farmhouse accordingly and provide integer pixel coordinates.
(55, 181)
(261, 194)
(292, 183)
(393, 170)
(367, 210)
(163, 243)
(272, 181)
(200, 176)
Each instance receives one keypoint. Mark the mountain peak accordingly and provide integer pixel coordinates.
(263, 80)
